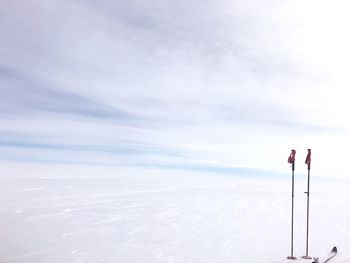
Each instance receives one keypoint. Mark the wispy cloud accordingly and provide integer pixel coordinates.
(25, 95)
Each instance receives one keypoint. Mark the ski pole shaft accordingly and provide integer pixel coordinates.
(308, 211)
(292, 230)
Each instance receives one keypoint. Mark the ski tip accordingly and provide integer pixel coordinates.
(335, 249)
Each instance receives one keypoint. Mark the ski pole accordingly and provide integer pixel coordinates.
(308, 162)
(291, 160)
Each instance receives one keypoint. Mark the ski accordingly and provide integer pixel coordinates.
(326, 259)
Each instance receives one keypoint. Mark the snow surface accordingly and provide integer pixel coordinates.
(168, 218)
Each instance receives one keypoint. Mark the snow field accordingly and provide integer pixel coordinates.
(153, 218)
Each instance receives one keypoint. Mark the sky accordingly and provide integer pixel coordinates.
(180, 86)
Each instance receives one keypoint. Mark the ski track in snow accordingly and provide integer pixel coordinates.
(166, 219)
